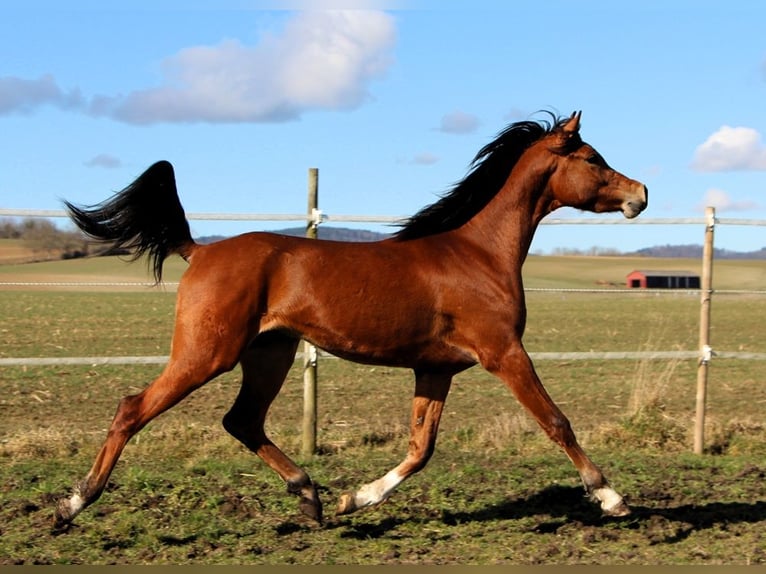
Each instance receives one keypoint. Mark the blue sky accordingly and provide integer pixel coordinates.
(390, 102)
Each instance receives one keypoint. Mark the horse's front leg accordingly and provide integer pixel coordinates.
(430, 393)
(515, 369)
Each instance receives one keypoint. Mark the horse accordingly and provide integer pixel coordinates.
(441, 294)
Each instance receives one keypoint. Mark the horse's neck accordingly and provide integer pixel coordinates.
(506, 226)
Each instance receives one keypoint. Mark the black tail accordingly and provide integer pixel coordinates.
(145, 217)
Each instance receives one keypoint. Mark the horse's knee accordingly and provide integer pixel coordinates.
(559, 430)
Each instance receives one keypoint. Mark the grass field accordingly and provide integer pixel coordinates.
(496, 492)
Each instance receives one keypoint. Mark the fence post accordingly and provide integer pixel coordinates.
(706, 296)
(309, 351)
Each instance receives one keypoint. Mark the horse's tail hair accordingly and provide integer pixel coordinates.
(145, 218)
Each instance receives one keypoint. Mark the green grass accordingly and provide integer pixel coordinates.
(185, 492)
(472, 512)
(496, 492)
(71, 324)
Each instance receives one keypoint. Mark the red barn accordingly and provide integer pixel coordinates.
(663, 280)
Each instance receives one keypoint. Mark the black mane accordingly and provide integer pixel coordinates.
(488, 172)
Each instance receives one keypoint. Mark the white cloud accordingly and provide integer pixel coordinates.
(104, 160)
(458, 122)
(18, 95)
(321, 60)
(425, 158)
(722, 201)
(729, 149)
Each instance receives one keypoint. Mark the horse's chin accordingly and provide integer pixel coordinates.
(631, 211)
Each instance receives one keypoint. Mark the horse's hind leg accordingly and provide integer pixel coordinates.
(427, 405)
(179, 378)
(265, 364)
(201, 350)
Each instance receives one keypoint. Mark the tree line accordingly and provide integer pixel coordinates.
(46, 240)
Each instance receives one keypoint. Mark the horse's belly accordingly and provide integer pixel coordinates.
(408, 354)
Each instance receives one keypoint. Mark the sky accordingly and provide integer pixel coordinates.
(389, 100)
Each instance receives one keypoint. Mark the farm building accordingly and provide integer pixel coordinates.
(663, 280)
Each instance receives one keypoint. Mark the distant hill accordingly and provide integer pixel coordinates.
(695, 252)
(324, 232)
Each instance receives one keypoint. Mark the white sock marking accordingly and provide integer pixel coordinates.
(76, 504)
(608, 497)
(377, 491)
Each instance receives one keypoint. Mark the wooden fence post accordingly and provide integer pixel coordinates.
(706, 352)
(309, 351)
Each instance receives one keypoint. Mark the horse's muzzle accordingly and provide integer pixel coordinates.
(635, 205)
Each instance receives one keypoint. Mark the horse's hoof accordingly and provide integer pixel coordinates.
(63, 515)
(619, 509)
(311, 508)
(346, 504)
(612, 504)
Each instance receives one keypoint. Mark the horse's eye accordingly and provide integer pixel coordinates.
(594, 158)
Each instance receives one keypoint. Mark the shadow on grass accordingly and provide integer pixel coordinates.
(558, 506)
(696, 517)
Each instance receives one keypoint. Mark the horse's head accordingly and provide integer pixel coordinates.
(582, 179)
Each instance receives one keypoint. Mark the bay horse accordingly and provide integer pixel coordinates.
(440, 295)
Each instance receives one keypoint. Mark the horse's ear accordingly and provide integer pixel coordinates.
(573, 123)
